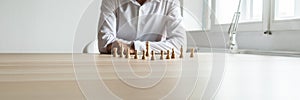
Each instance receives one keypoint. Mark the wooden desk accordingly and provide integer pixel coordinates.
(52, 76)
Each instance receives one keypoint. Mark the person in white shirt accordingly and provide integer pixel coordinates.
(130, 23)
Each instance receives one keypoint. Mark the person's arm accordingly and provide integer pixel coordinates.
(107, 26)
(107, 29)
(176, 35)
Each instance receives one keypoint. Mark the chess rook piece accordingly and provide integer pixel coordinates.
(136, 54)
(144, 55)
(181, 52)
(115, 50)
(127, 53)
(173, 54)
(147, 49)
(161, 54)
(152, 55)
(192, 52)
(168, 54)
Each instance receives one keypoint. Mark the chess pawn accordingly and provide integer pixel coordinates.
(147, 49)
(136, 54)
(192, 53)
(181, 52)
(115, 50)
(127, 53)
(152, 55)
(144, 55)
(168, 54)
(173, 54)
(161, 54)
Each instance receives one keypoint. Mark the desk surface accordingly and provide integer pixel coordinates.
(71, 77)
(55, 77)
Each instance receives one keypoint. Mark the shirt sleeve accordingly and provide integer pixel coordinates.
(176, 34)
(107, 25)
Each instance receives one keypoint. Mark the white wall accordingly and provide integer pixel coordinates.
(39, 26)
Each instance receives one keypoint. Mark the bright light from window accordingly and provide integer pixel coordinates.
(251, 10)
(257, 10)
(286, 9)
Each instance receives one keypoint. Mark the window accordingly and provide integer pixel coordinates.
(285, 15)
(251, 11)
(251, 18)
(257, 15)
(287, 9)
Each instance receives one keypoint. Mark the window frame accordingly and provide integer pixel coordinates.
(282, 25)
(268, 20)
(243, 26)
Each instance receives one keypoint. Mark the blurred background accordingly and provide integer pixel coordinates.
(51, 26)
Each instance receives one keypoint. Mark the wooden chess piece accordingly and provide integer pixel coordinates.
(136, 54)
(168, 54)
(144, 55)
(152, 55)
(192, 52)
(173, 54)
(181, 52)
(127, 53)
(122, 52)
(115, 50)
(147, 49)
(161, 54)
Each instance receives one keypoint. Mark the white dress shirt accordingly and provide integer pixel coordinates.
(156, 21)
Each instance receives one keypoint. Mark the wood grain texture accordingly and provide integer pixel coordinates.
(52, 76)
(38, 77)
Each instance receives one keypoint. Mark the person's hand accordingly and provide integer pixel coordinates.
(118, 44)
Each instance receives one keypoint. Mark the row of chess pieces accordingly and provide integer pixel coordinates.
(146, 53)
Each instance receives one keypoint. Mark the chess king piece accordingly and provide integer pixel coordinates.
(181, 52)
(122, 52)
(147, 49)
